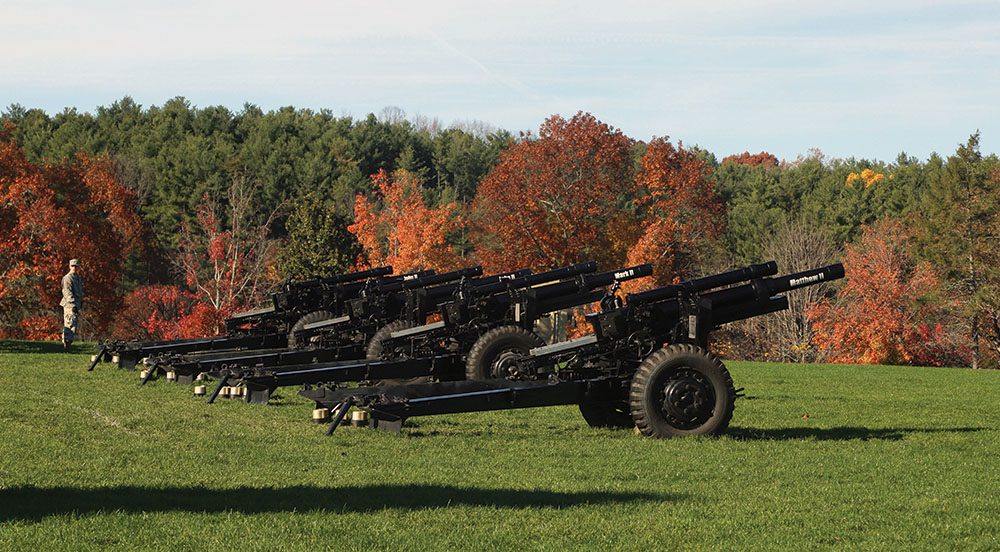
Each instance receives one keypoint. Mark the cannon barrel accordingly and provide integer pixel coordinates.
(355, 276)
(769, 287)
(341, 278)
(592, 281)
(503, 276)
(409, 276)
(349, 288)
(430, 280)
(426, 281)
(439, 292)
(537, 279)
(698, 285)
(306, 293)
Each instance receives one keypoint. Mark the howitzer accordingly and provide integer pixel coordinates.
(473, 348)
(484, 324)
(348, 336)
(646, 365)
(379, 304)
(301, 304)
(300, 296)
(345, 287)
(476, 310)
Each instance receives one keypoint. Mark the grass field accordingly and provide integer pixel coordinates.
(817, 456)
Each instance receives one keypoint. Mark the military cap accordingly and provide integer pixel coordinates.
(74, 262)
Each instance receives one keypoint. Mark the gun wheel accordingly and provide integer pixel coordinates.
(376, 350)
(681, 390)
(315, 316)
(376, 346)
(494, 355)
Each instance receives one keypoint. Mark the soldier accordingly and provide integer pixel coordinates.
(72, 302)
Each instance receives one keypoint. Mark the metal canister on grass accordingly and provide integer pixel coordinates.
(359, 418)
(321, 415)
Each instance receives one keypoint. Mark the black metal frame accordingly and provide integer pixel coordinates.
(515, 301)
(261, 328)
(595, 367)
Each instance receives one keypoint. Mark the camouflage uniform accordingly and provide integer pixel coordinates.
(72, 303)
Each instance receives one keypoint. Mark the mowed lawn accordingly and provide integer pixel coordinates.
(817, 456)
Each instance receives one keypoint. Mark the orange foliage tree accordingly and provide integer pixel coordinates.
(396, 227)
(680, 209)
(558, 199)
(50, 213)
(882, 314)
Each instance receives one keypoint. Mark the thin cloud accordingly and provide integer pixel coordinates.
(725, 75)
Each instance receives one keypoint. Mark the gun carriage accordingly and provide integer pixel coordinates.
(295, 305)
(647, 363)
(333, 338)
(481, 328)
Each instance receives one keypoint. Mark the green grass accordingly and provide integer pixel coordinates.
(868, 457)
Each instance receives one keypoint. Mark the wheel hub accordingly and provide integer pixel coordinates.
(505, 365)
(688, 399)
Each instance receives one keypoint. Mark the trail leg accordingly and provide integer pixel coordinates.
(223, 381)
(97, 358)
(339, 417)
(153, 368)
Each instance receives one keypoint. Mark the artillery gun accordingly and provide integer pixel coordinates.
(647, 364)
(265, 328)
(332, 338)
(483, 325)
(489, 321)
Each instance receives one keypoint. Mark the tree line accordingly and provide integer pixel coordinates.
(225, 204)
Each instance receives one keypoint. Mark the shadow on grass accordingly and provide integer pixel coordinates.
(35, 503)
(43, 347)
(837, 433)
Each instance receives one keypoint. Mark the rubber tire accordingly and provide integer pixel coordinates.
(490, 345)
(645, 394)
(309, 318)
(374, 351)
(607, 415)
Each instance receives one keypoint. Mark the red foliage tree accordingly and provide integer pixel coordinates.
(396, 227)
(48, 214)
(882, 314)
(752, 159)
(558, 199)
(679, 207)
(226, 265)
(152, 312)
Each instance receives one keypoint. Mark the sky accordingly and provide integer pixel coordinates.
(851, 78)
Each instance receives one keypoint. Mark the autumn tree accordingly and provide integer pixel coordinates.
(153, 312)
(752, 159)
(787, 335)
(681, 213)
(558, 199)
(396, 226)
(885, 311)
(226, 257)
(50, 212)
(960, 235)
